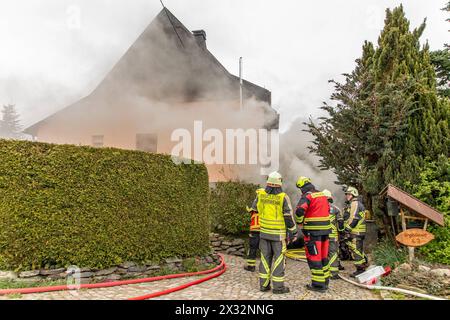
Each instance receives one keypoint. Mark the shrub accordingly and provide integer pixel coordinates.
(434, 189)
(67, 205)
(228, 207)
(386, 253)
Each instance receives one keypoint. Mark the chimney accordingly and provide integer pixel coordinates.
(200, 37)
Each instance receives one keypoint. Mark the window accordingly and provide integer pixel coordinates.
(147, 142)
(97, 141)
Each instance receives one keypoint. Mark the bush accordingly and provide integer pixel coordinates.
(386, 253)
(228, 207)
(434, 189)
(66, 205)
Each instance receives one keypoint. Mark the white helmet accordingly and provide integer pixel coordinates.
(327, 194)
(275, 179)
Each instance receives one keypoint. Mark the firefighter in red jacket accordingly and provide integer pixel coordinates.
(253, 241)
(313, 213)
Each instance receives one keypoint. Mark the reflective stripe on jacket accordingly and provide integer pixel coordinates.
(270, 209)
(313, 211)
(336, 221)
(357, 219)
(254, 224)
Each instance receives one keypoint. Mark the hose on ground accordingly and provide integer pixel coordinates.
(296, 254)
(299, 255)
(181, 287)
(221, 267)
(373, 287)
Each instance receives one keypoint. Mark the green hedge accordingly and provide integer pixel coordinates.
(434, 189)
(66, 205)
(228, 207)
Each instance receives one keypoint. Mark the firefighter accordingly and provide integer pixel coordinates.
(313, 216)
(253, 241)
(356, 230)
(276, 220)
(344, 251)
(337, 224)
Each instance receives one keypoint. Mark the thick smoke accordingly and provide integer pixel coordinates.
(296, 160)
(166, 81)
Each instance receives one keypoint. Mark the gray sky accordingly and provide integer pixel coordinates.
(56, 51)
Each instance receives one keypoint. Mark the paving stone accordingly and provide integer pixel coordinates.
(234, 284)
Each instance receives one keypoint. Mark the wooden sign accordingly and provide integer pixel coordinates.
(414, 237)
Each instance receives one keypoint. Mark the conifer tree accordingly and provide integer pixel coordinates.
(441, 62)
(387, 118)
(10, 125)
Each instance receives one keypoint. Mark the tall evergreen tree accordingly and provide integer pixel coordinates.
(441, 62)
(10, 125)
(387, 118)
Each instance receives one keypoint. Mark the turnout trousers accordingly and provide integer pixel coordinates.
(316, 248)
(356, 245)
(253, 246)
(333, 256)
(273, 263)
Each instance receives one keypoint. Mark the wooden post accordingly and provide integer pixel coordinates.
(425, 225)
(410, 249)
(402, 214)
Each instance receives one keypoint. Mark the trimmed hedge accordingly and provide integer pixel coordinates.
(228, 207)
(66, 205)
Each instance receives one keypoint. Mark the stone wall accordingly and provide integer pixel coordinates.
(126, 270)
(220, 243)
(129, 270)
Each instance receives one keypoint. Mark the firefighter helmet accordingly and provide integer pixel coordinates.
(302, 181)
(352, 190)
(275, 179)
(327, 194)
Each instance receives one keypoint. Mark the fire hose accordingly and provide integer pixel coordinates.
(221, 268)
(299, 255)
(296, 254)
(373, 287)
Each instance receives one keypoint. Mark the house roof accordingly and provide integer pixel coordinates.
(168, 63)
(413, 204)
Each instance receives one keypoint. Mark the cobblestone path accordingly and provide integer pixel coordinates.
(234, 284)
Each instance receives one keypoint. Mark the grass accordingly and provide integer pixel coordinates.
(7, 284)
(14, 296)
(397, 296)
(386, 253)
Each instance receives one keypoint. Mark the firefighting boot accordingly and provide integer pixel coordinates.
(281, 290)
(316, 289)
(335, 277)
(264, 289)
(250, 268)
(366, 264)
